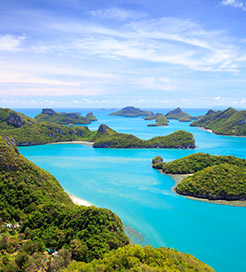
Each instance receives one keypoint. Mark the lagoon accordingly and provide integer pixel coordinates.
(123, 180)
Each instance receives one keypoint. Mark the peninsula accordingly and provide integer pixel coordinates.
(228, 122)
(42, 229)
(131, 112)
(51, 116)
(210, 177)
(27, 131)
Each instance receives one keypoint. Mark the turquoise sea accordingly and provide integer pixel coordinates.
(123, 180)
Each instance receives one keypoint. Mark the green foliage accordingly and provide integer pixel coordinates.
(136, 258)
(178, 139)
(46, 214)
(197, 162)
(160, 119)
(49, 115)
(90, 117)
(224, 181)
(178, 114)
(131, 112)
(228, 122)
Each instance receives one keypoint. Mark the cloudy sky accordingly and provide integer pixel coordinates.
(114, 53)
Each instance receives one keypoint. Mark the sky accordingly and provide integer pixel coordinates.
(104, 54)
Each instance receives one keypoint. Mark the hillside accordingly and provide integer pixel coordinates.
(49, 115)
(227, 122)
(214, 177)
(137, 258)
(46, 216)
(27, 131)
(178, 139)
(131, 112)
(218, 182)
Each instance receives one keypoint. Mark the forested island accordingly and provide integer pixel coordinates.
(227, 122)
(211, 177)
(131, 112)
(51, 116)
(160, 119)
(27, 131)
(179, 115)
(42, 230)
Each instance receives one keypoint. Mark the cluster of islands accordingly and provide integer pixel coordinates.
(41, 229)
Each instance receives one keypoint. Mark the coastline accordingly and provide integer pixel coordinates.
(209, 130)
(75, 142)
(179, 177)
(79, 201)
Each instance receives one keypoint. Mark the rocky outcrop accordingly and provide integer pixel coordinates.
(15, 120)
(210, 112)
(102, 129)
(48, 111)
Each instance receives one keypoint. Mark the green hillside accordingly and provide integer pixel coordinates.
(49, 115)
(137, 258)
(218, 182)
(160, 119)
(178, 114)
(227, 122)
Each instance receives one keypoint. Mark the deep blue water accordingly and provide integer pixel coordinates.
(124, 181)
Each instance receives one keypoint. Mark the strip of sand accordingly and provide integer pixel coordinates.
(75, 142)
(178, 178)
(80, 202)
(209, 130)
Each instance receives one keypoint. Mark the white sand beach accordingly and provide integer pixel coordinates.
(75, 142)
(80, 202)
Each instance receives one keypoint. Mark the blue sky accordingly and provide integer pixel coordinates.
(145, 53)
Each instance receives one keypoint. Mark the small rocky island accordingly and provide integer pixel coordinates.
(227, 122)
(49, 115)
(208, 177)
(131, 112)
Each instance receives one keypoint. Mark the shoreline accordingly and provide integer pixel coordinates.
(79, 201)
(75, 142)
(179, 177)
(210, 130)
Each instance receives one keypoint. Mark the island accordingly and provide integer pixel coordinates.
(229, 122)
(204, 176)
(41, 229)
(180, 115)
(49, 115)
(160, 119)
(131, 112)
(27, 131)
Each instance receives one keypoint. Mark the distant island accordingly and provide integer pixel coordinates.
(208, 177)
(49, 115)
(43, 230)
(27, 131)
(160, 119)
(178, 114)
(227, 122)
(131, 112)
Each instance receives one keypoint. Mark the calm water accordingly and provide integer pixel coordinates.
(124, 181)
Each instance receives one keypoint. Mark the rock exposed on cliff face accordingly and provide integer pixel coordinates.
(15, 120)
(102, 129)
(48, 111)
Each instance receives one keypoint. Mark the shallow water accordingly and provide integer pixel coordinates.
(124, 181)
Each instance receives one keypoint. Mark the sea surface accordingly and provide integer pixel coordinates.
(124, 181)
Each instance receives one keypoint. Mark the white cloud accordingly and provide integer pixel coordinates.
(235, 4)
(118, 14)
(10, 42)
(156, 84)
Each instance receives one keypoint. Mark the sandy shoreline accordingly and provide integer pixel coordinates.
(178, 178)
(75, 142)
(209, 130)
(79, 201)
